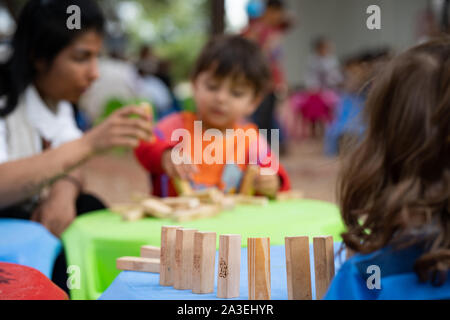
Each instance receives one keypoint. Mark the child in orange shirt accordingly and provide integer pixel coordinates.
(214, 146)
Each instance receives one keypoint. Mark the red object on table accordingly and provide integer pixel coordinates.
(24, 283)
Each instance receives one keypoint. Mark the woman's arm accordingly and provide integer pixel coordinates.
(58, 210)
(22, 178)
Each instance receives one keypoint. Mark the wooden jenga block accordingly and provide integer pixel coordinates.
(168, 241)
(229, 266)
(133, 215)
(149, 111)
(156, 208)
(128, 211)
(289, 195)
(151, 252)
(249, 200)
(138, 264)
(123, 207)
(204, 211)
(323, 264)
(183, 187)
(204, 262)
(247, 186)
(147, 107)
(228, 203)
(258, 255)
(137, 197)
(298, 268)
(184, 258)
(177, 203)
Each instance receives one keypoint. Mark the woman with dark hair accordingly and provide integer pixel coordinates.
(40, 145)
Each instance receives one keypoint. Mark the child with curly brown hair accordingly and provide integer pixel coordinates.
(395, 185)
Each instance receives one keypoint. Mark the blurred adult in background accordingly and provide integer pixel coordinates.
(268, 31)
(40, 144)
(155, 83)
(427, 25)
(147, 63)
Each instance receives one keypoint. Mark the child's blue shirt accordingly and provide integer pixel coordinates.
(398, 281)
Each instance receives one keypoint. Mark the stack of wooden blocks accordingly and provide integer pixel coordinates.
(186, 261)
(195, 205)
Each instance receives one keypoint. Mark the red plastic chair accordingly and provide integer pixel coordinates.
(24, 283)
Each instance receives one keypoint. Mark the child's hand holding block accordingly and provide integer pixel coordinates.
(248, 181)
(267, 185)
(183, 187)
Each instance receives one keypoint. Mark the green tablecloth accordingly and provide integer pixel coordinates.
(94, 241)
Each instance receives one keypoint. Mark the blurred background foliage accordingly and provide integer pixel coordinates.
(176, 29)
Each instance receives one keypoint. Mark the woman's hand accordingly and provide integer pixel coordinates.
(267, 185)
(119, 130)
(184, 171)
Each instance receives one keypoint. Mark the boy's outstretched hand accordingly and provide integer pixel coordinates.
(267, 185)
(184, 171)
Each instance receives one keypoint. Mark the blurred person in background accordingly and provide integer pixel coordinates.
(347, 126)
(147, 63)
(315, 105)
(40, 144)
(323, 70)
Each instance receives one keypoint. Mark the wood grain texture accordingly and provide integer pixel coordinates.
(228, 280)
(202, 212)
(156, 208)
(184, 258)
(138, 264)
(298, 268)
(168, 238)
(204, 262)
(258, 255)
(151, 252)
(323, 264)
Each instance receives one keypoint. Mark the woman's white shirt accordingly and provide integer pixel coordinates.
(22, 131)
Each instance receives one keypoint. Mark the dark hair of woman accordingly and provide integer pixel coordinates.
(41, 34)
(395, 185)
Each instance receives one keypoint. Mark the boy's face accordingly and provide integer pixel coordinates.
(223, 102)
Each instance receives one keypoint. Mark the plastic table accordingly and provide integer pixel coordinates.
(94, 241)
(130, 285)
(29, 244)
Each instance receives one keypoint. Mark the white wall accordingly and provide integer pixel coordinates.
(344, 22)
